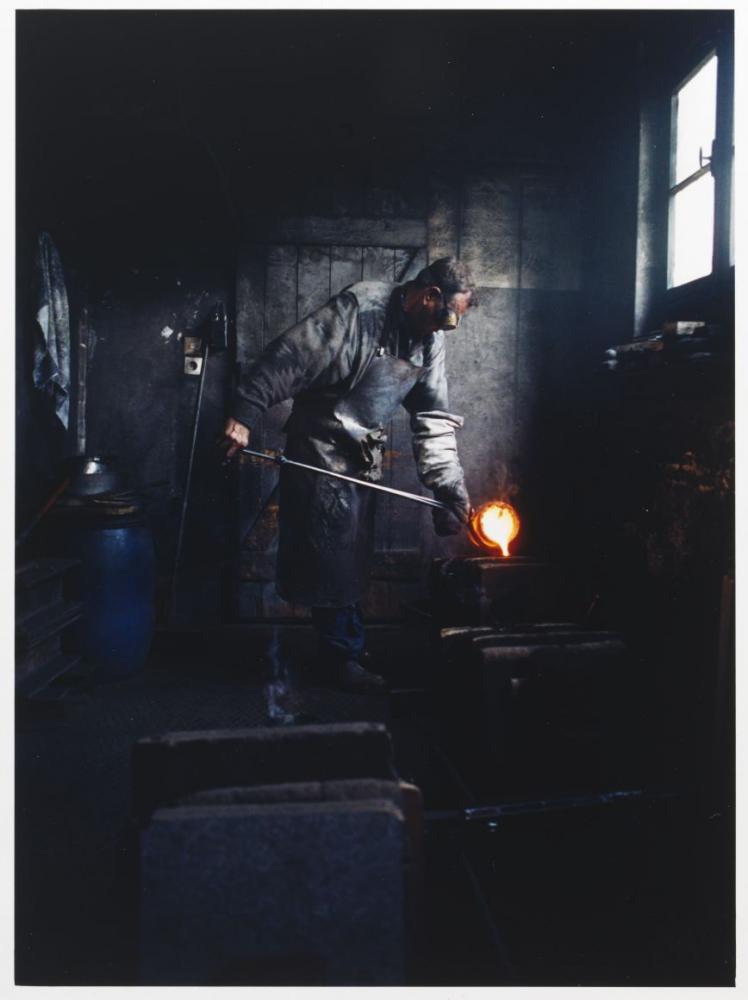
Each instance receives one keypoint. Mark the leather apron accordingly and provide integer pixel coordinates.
(326, 537)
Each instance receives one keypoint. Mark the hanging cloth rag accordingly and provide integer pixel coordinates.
(51, 371)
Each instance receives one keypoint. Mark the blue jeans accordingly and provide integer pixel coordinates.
(340, 631)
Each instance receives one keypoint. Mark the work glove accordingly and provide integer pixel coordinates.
(451, 521)
(439, 469)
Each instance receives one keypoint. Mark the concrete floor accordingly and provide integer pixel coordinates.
(613, 896)
(74, 896)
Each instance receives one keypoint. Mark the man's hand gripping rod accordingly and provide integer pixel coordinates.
(281, 459)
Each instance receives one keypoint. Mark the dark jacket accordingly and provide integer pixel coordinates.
(326, 526)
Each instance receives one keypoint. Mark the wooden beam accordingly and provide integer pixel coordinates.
(349, 232)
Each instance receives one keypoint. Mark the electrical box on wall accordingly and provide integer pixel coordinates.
(193, 361)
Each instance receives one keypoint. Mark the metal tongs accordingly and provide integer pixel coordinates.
(280, 459)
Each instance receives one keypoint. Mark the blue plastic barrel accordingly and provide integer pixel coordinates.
(117, 584)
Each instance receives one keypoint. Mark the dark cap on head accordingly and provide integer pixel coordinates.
(451, 275)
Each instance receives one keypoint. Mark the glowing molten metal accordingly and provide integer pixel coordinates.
(494, 526)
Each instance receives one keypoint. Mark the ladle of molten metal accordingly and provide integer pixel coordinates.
(493, 525)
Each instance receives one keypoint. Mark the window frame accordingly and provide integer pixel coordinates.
(675, 186)
(700, 292)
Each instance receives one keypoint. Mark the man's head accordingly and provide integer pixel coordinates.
(439, 296)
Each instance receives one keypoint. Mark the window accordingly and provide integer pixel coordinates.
(700, 177)
(684, 231)
(693, 130)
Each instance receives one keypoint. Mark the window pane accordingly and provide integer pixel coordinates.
(692, 231)
(695, 109)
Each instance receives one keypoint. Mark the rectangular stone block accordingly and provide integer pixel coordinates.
(492, 590)
(168, 767)
(352, 789)
(403, 795)
(279, 894)
(539, 705)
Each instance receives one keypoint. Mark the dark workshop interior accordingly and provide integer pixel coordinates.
(544, 794)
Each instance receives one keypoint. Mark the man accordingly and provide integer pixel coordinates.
(348, 366)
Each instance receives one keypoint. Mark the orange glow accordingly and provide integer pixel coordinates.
(494, 526)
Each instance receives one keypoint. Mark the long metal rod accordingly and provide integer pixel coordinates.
(506, 810)
(282, 460)
(187, 482)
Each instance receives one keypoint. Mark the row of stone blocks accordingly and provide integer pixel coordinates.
(280, 856)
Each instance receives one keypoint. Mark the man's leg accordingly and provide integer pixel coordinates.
(340, 631)
(341, 639)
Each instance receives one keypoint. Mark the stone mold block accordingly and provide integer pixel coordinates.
(311, 891)
(168, 767)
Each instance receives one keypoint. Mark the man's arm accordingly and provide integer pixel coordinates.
(434, 441)
(292, 362)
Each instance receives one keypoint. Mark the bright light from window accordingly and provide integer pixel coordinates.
(692, 230)
(694, 112)
(695, 120)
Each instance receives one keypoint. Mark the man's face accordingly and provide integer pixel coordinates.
(425, 308)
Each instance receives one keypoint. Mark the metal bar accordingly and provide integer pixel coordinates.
(282, 460)
(676, 188)
(506, 810)
(187, 482)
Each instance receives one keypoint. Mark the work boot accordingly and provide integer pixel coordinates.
(351, 676)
